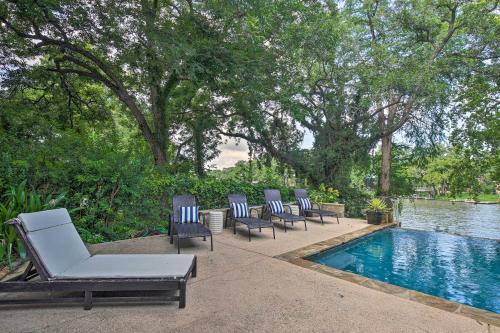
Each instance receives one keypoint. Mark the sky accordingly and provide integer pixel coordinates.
(232, 152)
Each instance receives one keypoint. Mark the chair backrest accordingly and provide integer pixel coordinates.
(236, 198)
(300, 194)
(179, 201)
(238, 206)
(52, 241)
(272, 195)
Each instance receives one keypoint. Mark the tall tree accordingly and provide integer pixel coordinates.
(140, 50)
(356, 74)
(414, 46)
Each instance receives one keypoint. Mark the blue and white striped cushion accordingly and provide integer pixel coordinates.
(189, 214)
(276, 206)
(240, 209)
(305, 203)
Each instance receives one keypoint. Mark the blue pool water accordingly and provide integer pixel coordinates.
(457, 268)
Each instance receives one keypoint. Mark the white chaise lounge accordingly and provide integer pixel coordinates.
(60, 259)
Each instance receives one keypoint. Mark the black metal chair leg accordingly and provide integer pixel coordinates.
(195, 268)
(204, 238)
(274, 236)
(305, 224)
(211, 243)
(260, 229)
(171, 233)
(87, 303)
(249, 235)
(234, 227)
(284, 222)
(178, 245)
(182, 295)
(338, 222)
(321, 217)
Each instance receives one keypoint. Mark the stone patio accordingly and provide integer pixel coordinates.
(250, 287)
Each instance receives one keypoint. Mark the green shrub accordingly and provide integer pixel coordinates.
(18, 200)
(354, 201)
(324, 194)
(210, 192)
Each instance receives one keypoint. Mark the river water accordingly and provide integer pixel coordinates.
(454, 218)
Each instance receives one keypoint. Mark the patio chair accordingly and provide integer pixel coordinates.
(184, 221)
(306, 207)
(276, 208)
(60, 262)
(239, 212)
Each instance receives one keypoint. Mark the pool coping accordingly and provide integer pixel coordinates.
(298, 257)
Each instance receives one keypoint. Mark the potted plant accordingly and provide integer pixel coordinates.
(375, 211)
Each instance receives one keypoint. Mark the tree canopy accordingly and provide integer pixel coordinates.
(155, 86)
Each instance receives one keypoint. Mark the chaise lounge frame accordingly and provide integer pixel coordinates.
(302, 194)
(274, 195)
(180, 230)
(250, 222)
(26, 283)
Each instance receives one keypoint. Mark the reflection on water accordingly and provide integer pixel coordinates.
(461, 269)
(454, 218)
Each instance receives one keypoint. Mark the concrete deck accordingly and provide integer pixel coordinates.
(241, 287)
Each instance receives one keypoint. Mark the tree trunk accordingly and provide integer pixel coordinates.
(386, 122)
(158, 153)
(199, 157)
(385, 167)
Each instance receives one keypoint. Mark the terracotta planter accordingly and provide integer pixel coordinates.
(374, 217)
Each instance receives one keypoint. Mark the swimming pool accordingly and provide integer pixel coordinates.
(457, 268)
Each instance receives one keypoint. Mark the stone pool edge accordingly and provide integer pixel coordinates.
(297, 257)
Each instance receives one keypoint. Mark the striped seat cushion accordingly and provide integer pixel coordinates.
(240, 209)
(276, 206)
(305, 203)
(189, 214)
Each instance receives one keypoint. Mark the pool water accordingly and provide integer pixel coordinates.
(457, 268)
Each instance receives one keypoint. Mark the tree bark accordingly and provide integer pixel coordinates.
(386, 122)
(159, 154)
(385, 167)
(199, 157)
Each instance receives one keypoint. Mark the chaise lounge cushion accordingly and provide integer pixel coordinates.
(140, 266)
(61, 251)
(54, 239)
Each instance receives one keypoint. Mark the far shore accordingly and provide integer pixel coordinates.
(452, 200)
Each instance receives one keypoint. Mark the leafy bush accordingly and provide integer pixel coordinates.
(18, 200)
(324, 194)
(210, 192)
(354, 201)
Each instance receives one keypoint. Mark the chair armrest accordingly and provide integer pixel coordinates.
(315, 203)
(289, 208)
(202, 215)
(265, 209)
